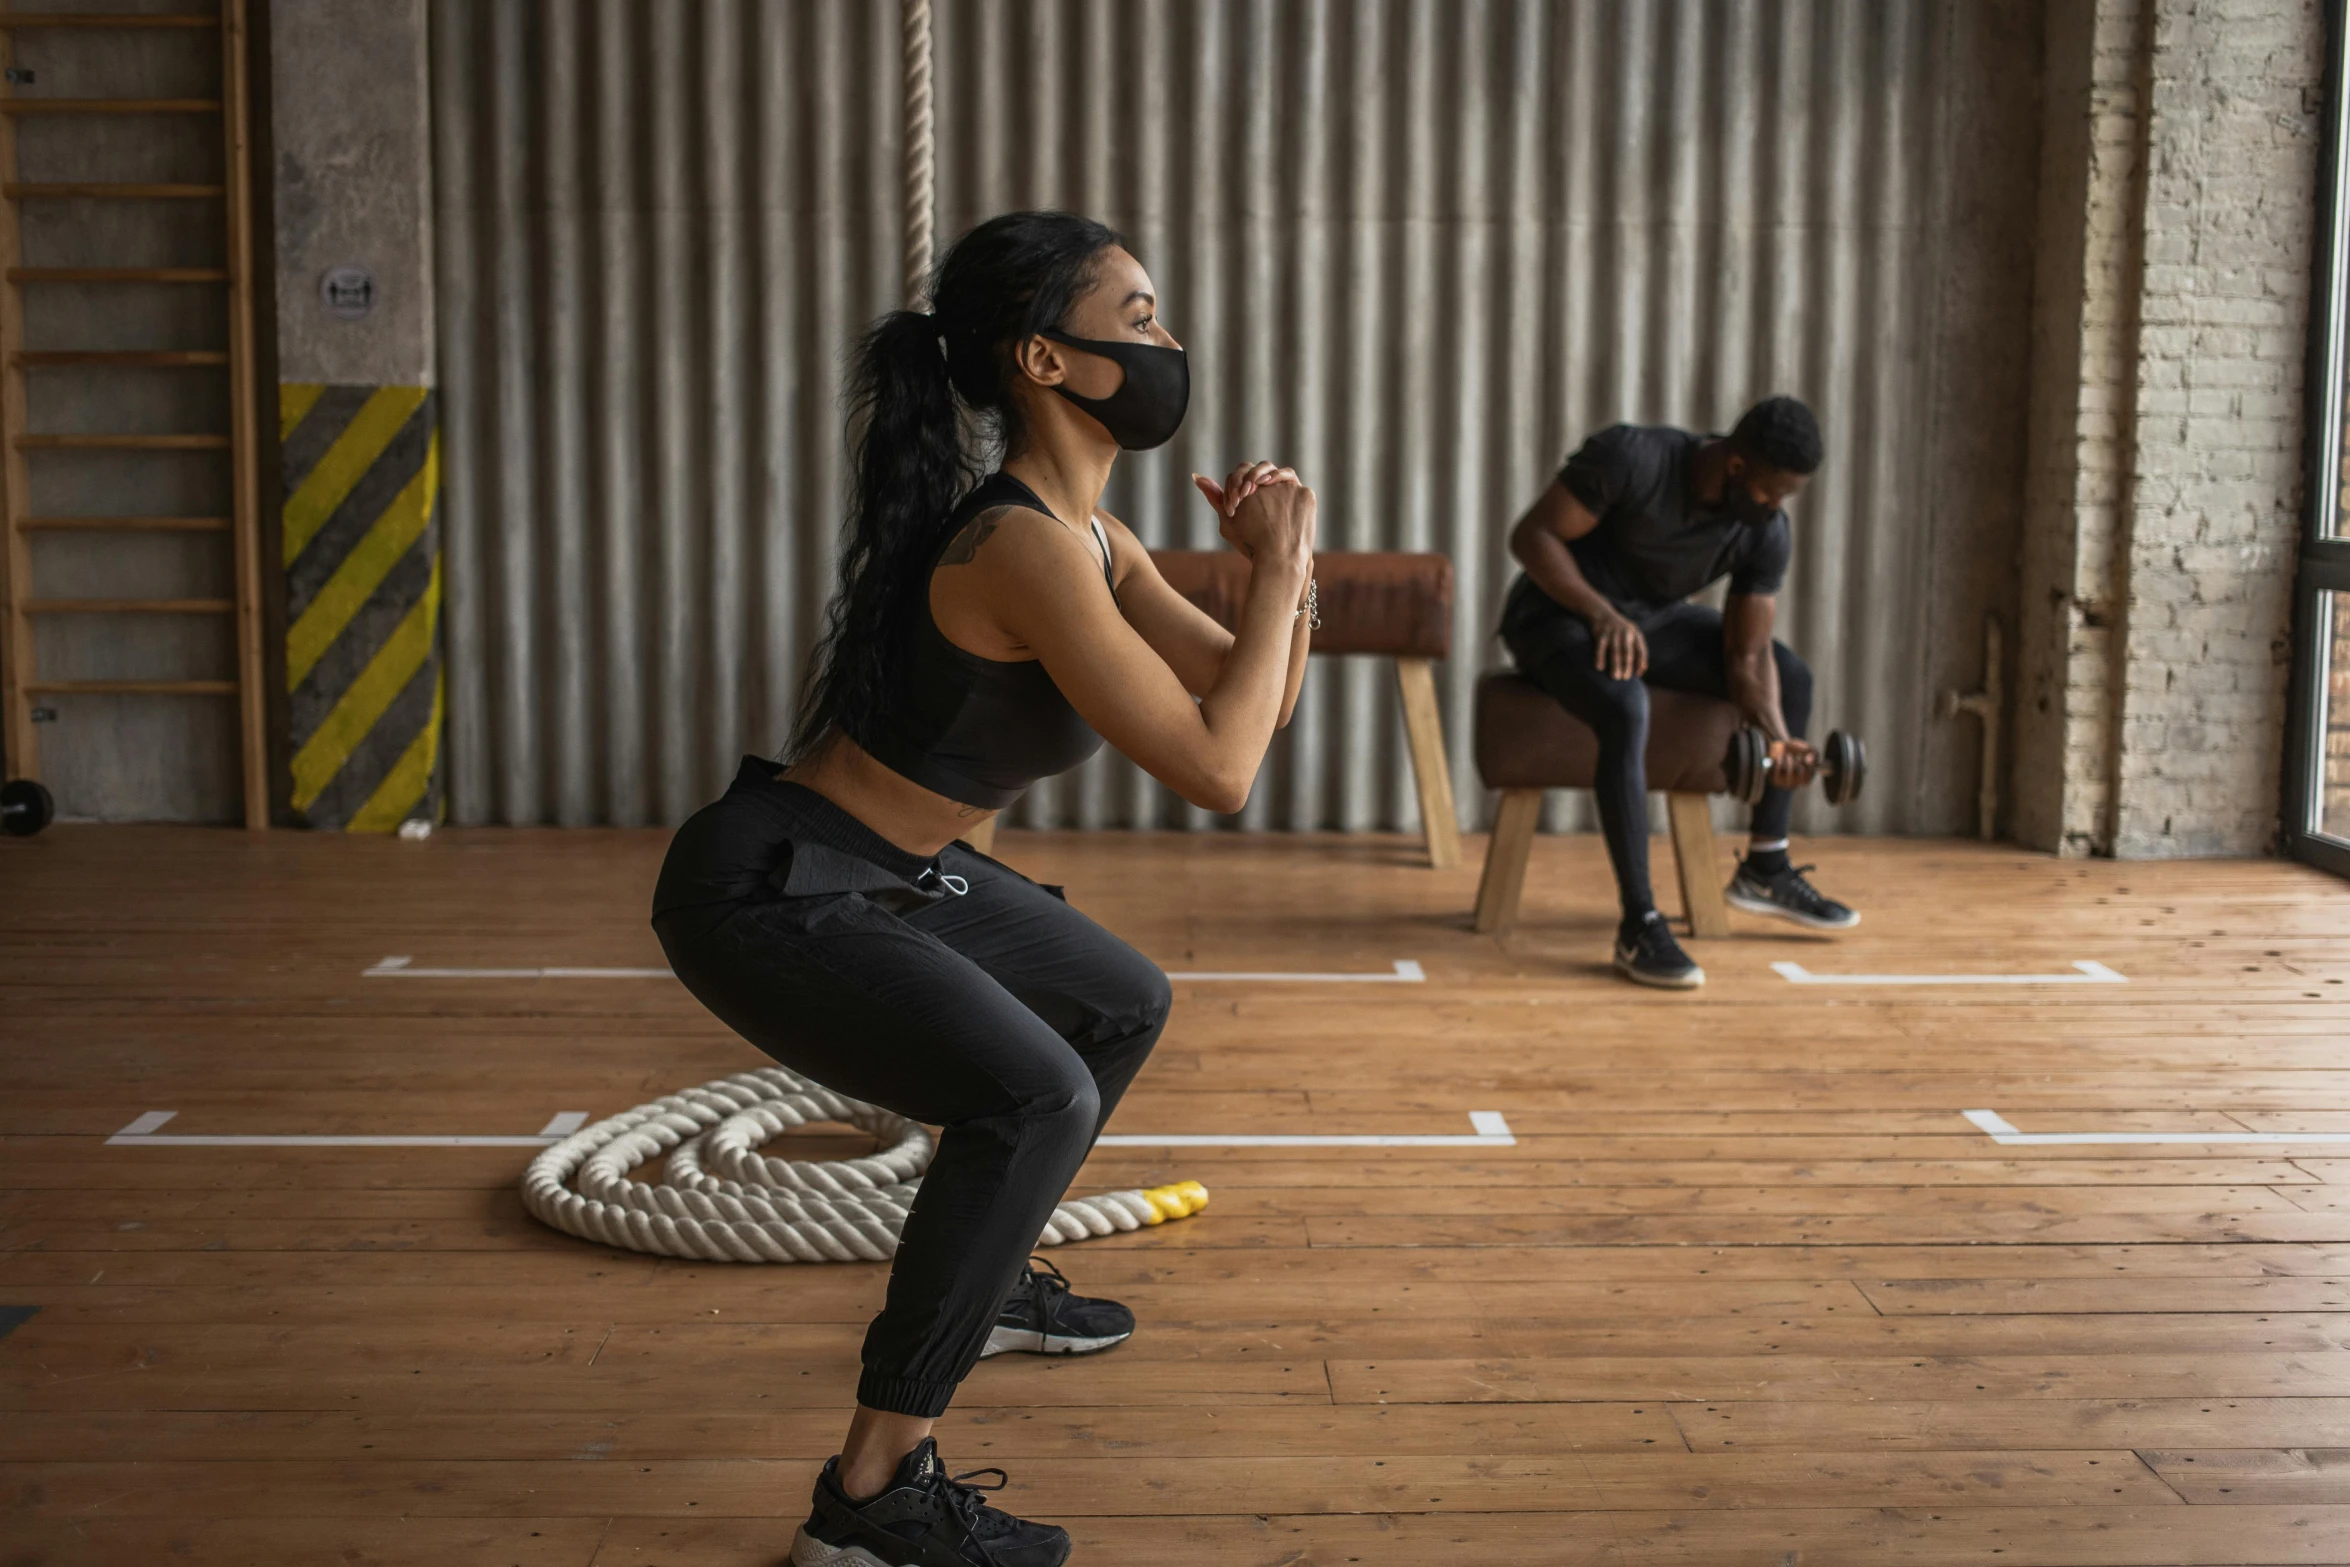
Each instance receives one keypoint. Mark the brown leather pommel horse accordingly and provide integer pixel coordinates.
(1386, 603)
(1527, 743)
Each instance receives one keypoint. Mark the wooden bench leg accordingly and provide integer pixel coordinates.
(1424, 727)
(1693, 855)
(1505, 860)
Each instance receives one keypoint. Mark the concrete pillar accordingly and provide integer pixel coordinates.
(358, 422)
(2077, 480)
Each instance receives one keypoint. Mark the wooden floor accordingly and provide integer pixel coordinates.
(1748, 1289)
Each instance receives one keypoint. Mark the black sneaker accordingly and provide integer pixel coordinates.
(924, 1519)
(1784, 894)
(1041, 1317)
(1647, 954)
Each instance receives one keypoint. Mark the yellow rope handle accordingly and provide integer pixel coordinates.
(1179, 1201)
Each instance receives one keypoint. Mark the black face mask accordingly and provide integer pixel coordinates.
(1148, 405)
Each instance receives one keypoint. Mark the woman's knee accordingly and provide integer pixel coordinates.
(1149, 998)
(1065, 1117)
(1130, 997)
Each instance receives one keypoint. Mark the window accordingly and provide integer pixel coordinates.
(2317, 772)
(2330, 800)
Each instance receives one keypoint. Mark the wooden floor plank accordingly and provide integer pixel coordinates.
(2013, 1227)
(492, 1170)
(2119, 1375)
(1108, 1263)
(1874, 1537)
(775, 1488)
(2065, 1537)
(357, 1541)
(1846, 1426)
(850, 1298)
(715, 1341)
(113, 1208)
(975, 1429)
(822, 1384)
(2289, 1477)
(2033, 1296)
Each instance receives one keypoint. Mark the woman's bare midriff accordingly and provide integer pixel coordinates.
(917, 820)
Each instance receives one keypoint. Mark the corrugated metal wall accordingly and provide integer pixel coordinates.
(1415, 247)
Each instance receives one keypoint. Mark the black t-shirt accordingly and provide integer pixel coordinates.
(1656, 543)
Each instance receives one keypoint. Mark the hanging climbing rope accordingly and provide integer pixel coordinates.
(720, 1200)
(919, 171)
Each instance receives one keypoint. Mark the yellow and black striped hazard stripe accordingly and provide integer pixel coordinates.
(363, 602)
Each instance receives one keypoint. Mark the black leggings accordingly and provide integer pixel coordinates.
(996, 1012)
(1555, 649)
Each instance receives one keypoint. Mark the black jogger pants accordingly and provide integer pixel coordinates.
(951, 990)
(1554, 647)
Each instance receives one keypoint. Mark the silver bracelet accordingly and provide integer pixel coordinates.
(1311, 609)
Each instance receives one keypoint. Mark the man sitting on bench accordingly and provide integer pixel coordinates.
(1641, 518)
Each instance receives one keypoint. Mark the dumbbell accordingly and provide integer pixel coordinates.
(1844, 766)
(25, 807)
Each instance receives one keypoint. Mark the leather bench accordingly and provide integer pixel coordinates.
(1527, 743)
(1390, 604)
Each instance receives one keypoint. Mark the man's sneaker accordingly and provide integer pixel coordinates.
(1784, 894)
(924, 1519)
(1041, 1317)
(1647, 954)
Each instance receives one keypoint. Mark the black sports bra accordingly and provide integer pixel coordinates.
(978, 730)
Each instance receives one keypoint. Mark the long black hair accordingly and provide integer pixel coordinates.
(930, 401)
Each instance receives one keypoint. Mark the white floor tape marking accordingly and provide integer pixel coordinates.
(143, 1131)
(2004, 1132)
(404, 968)
(2090, 974)
(1405, 972)
(1492, 1131)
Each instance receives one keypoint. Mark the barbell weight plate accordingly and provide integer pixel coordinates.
(25, 807)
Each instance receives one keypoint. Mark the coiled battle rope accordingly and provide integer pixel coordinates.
(720, 1200)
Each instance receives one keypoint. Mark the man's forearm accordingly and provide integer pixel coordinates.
(1552, 566)
(1754, 686)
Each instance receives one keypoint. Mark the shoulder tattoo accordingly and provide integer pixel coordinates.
(963, 548)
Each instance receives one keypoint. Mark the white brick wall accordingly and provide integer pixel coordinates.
(2177, 217)
(2231, 167)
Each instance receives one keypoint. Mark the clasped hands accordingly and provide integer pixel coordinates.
(1263, 508)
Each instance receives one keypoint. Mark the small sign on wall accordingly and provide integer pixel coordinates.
(349, 292)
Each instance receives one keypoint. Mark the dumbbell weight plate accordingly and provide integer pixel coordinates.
(25, 807)
(1844, 767)
(1747, 768)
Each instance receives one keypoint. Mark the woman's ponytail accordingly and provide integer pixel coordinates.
(911, 384)
(907, 455)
